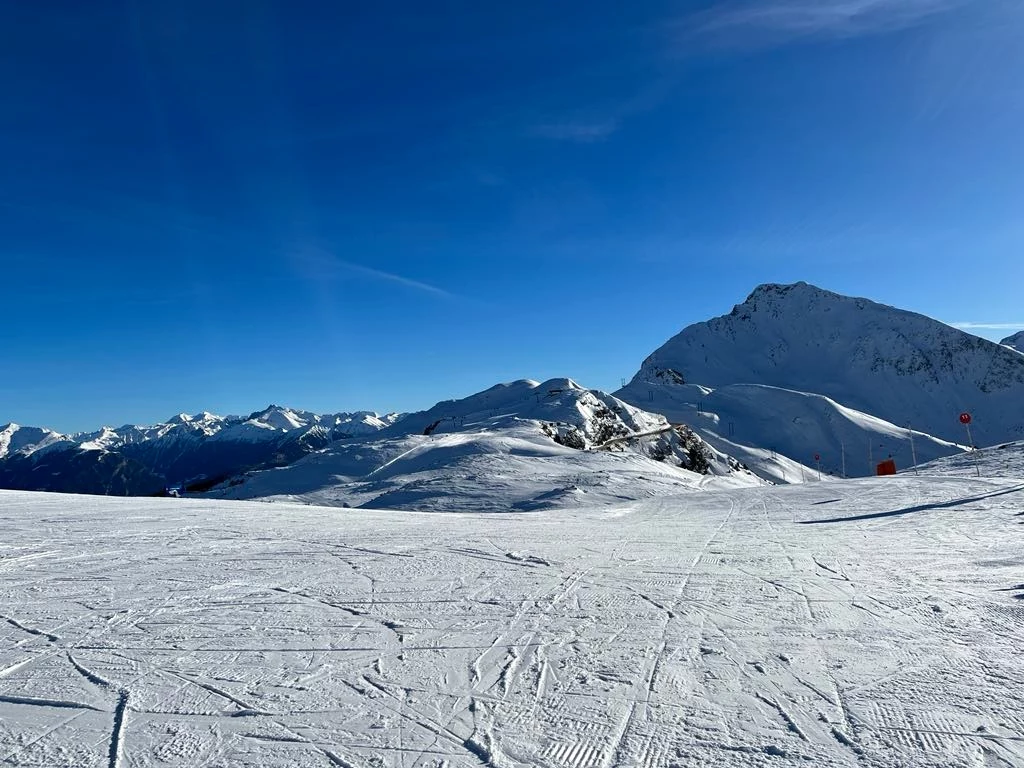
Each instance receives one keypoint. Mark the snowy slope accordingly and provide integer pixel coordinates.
(522, 445)
(786, 423)
(900, 366)
(1003, 460)
(1016, 341)
(860, 624)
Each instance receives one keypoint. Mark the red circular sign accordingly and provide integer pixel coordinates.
(965, 418)
(817, 457)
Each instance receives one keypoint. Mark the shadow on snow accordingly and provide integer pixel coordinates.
(918, 508)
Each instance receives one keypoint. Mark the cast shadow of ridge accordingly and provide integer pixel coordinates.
(919, 508)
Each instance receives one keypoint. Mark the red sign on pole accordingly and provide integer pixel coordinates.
(965, 418)
(817, 457)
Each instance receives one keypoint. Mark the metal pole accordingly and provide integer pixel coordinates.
(974, 451)
(843, 446)
(913, 452)
(819, 471)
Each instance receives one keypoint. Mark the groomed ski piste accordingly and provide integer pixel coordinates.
(871, 622)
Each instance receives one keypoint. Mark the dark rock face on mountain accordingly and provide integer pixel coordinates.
(80, 471)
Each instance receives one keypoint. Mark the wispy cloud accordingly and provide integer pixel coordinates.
(597, 122)
(393, 278)
(583, 132)
(326, 264)
(990, 326)
(778, 21)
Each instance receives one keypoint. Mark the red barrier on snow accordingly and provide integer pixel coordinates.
(887, 467)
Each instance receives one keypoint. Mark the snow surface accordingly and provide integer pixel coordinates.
(900, 366)
(872, 622)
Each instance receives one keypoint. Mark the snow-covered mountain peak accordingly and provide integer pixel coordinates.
(557, 400)
(16, 439)
(6, 436)
(361, 422)
(775, 291)
(773, 299)
(559, 383)
(104, 439)
(280, 417)
(901, 366)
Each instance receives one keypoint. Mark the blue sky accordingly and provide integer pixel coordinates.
(340, 206)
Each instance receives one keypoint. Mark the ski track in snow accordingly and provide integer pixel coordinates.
(712, 629)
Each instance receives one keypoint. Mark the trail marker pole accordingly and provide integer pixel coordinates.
(965, 419)
(817, 460)
(842, 445)
(913, 451)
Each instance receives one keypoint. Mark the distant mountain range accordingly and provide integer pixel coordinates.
(794, 380)
(189, 451)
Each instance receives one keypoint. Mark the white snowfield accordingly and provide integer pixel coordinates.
(749, 420)
(873, 622)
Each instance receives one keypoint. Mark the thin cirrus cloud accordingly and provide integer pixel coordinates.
(391, 277)
(773, 22)
(989, 326)
(599, 122)
(583, 131)
(322, 264)
(741, 26)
